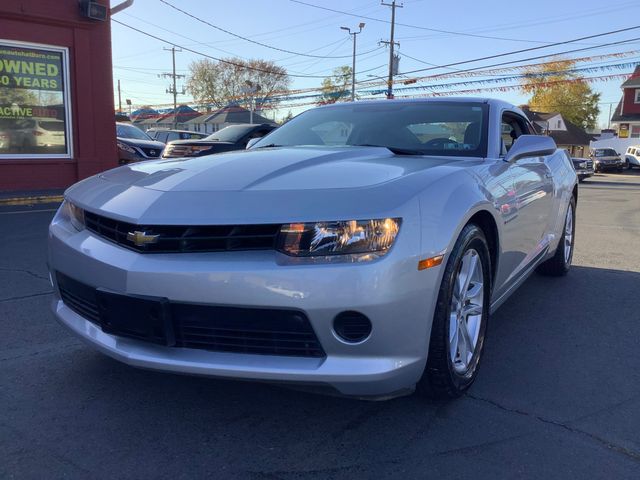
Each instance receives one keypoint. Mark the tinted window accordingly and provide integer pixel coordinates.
(129, 131)
(605, 152)
(232, 133)
(432, 128)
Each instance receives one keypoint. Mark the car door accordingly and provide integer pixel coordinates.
(533, 191)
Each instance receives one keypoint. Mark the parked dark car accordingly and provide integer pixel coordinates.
(606, 159)
(233, 137)
(165, 135)
(134, 145)
(583, 166)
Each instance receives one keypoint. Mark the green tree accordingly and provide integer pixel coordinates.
(221, 83)
(337, 86)
(553, 88)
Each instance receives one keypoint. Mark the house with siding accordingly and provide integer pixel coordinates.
(230, 115)
(567, 135)
(626, 117)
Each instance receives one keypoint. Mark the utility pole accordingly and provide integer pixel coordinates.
(119, 98)
(353, 65)
(173, 89)
(250, 89)
(391, 44)
(609, 123)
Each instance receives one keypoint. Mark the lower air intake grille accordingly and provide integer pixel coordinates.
(209, 327)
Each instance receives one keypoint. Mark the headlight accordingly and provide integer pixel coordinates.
(338, 238)
(73, 214)
(125, 147)
(582, 165)
(193, 149)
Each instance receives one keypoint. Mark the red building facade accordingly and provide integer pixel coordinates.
(56, 95)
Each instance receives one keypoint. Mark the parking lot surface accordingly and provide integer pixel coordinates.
(558, 394)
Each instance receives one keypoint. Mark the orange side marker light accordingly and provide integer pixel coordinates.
(430, 262)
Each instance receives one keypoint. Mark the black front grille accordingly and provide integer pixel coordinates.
(589, 163)
(188, 238)
(151, 152)
(80, 298)
(263, 331)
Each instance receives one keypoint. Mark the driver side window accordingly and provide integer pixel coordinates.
(511, 128)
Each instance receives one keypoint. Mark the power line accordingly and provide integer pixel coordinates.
(246, 38)
(542, 21)
(489, 57)
(436, 30)
(221, 60)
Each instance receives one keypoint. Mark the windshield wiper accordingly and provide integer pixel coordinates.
(394, 150)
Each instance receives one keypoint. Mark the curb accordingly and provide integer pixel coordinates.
(36, 200)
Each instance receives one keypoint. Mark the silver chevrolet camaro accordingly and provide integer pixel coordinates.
(358, 249)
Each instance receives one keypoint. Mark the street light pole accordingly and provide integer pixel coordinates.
(353, 63)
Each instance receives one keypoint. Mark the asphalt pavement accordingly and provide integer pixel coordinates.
(558, 394)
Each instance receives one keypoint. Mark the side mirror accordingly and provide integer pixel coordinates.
(530, 146)
(252, 142)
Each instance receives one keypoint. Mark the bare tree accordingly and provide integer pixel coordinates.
(220, 83)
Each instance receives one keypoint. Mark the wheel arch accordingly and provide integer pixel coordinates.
(485, 221)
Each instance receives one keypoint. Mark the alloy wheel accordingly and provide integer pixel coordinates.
(568, 235)
(467, 307)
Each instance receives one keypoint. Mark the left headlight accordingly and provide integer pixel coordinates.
(72, 213)
(338, 238)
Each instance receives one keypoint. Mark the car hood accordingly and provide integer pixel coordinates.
(142, 143)
(263, 185)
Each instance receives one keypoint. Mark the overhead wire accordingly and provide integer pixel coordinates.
(247, 39)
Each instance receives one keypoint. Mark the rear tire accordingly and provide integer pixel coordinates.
(460, 319)
(560, 263)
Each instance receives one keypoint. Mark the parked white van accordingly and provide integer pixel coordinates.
(632, 157)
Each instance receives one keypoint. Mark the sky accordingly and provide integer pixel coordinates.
(298, 28)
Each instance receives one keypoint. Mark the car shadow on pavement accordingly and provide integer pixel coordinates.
(553, 356)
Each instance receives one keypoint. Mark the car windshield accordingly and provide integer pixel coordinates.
(52, 125)
(429, 128)
(605, 152)
(129, 131)
(232, 133)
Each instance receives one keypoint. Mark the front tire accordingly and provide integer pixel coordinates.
(460, 319)
(560, 263)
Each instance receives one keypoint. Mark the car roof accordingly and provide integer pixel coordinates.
(493, 102)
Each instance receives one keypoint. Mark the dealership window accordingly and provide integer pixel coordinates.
(635, 131)
(34, 101)
(637, 95)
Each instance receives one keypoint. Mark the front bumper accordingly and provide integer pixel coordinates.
(391, 292)
(584, 173)
(600, 166)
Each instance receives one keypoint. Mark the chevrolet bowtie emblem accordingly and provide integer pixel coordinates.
(141, 238)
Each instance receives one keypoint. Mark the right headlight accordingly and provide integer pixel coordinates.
(125, 147)
(338, 238)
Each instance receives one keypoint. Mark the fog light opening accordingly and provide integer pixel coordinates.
(352, 327)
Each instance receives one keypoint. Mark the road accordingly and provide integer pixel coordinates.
(558, 394)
